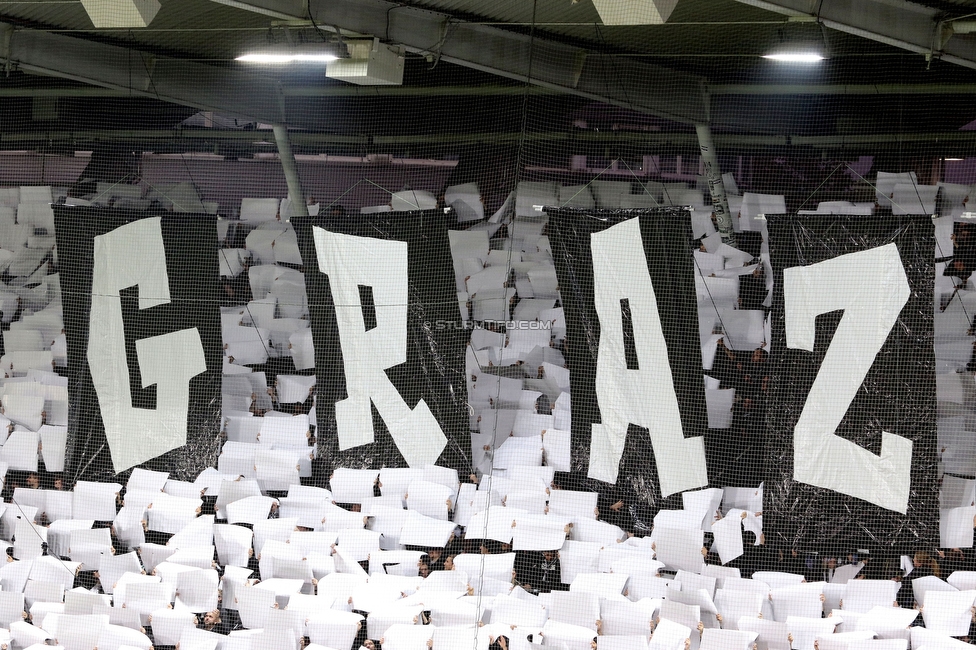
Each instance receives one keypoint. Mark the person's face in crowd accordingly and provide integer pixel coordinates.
(484, 550)
(33, 481)
(831, 563)
(548, 556)
(435, 554)
(757, 356)
(212, 617)
(59, 483)
(423, 570)
(449, 563)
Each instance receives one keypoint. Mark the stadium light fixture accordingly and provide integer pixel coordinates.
(797, 52)
(303, 53)
(795, 57)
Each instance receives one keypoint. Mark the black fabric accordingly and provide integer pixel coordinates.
(666, 236)
(190, 242)
(434, 370)
(898, 395)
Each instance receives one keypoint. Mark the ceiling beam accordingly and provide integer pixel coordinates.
(335, 90)
(620, 81)
(842, 89)
(350, 91)
(901, 24)
(637, 85)
(282, 9)
(541, 62)
(948, 143)
(138, 74)
(345, 90)
(548, 66)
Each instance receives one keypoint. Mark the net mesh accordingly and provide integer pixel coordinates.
(522, 323)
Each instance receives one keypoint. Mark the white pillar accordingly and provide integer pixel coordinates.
(295, 194)
(720, 204)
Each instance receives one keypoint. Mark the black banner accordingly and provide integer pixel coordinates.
(396, 275)
(845, 289)
(657, 245)
(140, 299)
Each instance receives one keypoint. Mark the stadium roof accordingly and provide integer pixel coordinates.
(895, 71)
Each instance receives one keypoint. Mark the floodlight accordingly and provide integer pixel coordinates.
(797, 52)
(302, 53)
(287, 58)
(795, 57)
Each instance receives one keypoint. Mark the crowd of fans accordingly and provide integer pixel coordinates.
(632, 589)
